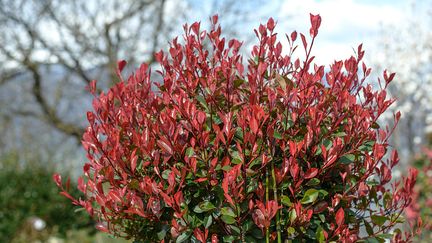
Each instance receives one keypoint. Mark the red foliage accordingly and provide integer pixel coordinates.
(281, 143)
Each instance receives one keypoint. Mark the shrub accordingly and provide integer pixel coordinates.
(26, 193)
(421, 208)
(278, 150)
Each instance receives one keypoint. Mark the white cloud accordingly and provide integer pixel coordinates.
(345, 23)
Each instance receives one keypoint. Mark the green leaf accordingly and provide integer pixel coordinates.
(256, 59)
(236, 159)
(313, 182)
(372, 183)
(368, 227)
(347, 159)
(226, 168)
(238, 82)
(285, 200)
(327, 144)
(378, 219)
(277, 134)
(228, 219)
(189, 152)
(208, 221)
(165, 174)
(202, 101)
(323, 192)
(252, 185)
(250, 239)
(310, 196)
(320, 235)
(235, 230)
(161, 234)
(239, 133)
(204, 207)
(387, 197)
(372, 240)
(228, 238)
(368, 146)
(375, 125)
(291, 231)
(385, 236)
(228, 211)
(340, 134)
(292, 215)
(183, 237)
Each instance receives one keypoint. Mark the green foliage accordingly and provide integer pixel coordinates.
(28, 191)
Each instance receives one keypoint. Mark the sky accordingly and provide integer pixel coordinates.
(345, 23)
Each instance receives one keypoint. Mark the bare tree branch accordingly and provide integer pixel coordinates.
(57, 44)
(50, 113)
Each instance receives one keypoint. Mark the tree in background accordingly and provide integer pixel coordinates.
(50, 50)
(408, 51)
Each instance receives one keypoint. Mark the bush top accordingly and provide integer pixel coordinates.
(277, 149)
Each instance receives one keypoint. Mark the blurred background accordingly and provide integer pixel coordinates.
(51, 49)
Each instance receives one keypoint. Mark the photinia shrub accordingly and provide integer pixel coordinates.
(280, 149)
(420, 210)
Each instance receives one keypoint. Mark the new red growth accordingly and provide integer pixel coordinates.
(281, 148)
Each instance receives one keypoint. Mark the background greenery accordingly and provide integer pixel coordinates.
(28, 192)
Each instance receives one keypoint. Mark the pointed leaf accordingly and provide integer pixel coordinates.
(340, 216)
(310, 196)
(121, 64)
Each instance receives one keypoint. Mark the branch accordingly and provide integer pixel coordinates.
(49, 113)
(156, 31)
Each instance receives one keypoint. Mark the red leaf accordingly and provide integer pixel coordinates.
(201, 179)
(271, 208)
(114, 195)
(259, 218)
(167, 148)
(90, 117)
(200, 235)
(159, 56)
(92, 87)
(68, 196)
(57, 179)
(321, 206)
(311, 173)
(134, 159)
(292, 148)
(178, 197)
(121, 64)
(270, 24)
(201, 117)
(213, 163)
(340, 216)
(294, 36)
(101, 227)
(195, 27)
(304, 41)
(214, 239)
(251, 204)
(225, 189)
(294, 169)
(81, 185)
(315, 22)
(214, 19)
